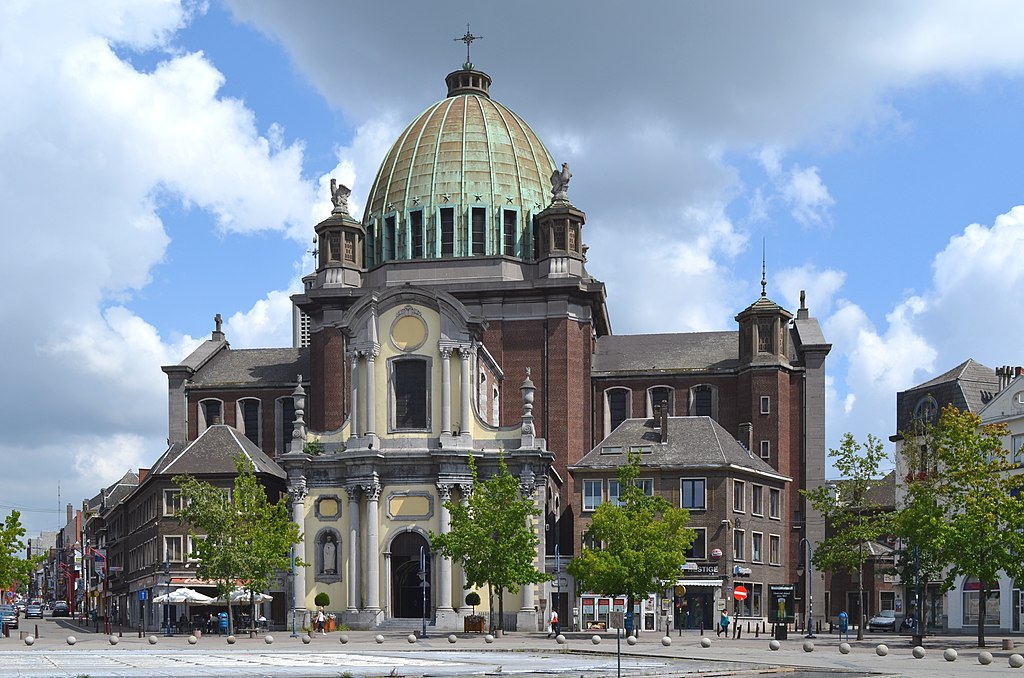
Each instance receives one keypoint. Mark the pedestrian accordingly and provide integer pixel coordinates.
(320, 620)
(724, 624)
(553, 626)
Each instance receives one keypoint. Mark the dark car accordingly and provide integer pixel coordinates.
(61, 609)
(883, 621)
(34, 611)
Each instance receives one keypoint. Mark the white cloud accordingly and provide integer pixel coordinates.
(799, 188)
(93, 150)
(820, 285)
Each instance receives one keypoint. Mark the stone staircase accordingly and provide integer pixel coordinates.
(403, 625)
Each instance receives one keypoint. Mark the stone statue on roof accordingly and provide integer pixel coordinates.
(339, 196)
(560, 183)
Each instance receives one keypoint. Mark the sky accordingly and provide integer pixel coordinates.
(164, 161)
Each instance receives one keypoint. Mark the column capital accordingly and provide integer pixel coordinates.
(445, 490)
(297, 489)
(446, 351)
(466, 489)
(353, 491)
(372, 491)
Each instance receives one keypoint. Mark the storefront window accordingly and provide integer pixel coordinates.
(972, 602)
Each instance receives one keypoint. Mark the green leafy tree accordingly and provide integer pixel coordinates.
(493, 536)
(13, 568)
(245, 539)
(638, 545)
(963, 505)
(855, 519)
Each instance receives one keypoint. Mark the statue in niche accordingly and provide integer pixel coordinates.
(339, 196)
(330, 555)
(560, 183)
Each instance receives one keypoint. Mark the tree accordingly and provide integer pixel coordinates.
(14, 569)
(855, 520)
(638, 544)
(962, 504)
(243, 538)
(493, 536)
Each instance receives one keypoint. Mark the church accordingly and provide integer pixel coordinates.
(457, 318)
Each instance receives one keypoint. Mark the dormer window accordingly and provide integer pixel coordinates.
(416, 234)
(447, 232)
(479, 219)
(509, 229)
(212, 412)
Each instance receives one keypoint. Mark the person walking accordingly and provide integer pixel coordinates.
(320, 620)
(724, 624)
(553, 626)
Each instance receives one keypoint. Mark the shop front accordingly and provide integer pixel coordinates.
(596, 612)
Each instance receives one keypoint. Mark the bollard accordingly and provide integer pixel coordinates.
(37, 630)
(140, 630)
(757, 630)
(739, 632)
(748, 628)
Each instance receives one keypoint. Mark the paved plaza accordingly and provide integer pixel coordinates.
(525, 654)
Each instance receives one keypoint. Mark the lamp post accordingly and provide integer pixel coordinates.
(167, 605)
(810, 584)
(423, 585)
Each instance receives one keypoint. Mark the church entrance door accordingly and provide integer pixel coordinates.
(406, 584)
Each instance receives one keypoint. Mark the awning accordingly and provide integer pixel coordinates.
(713, 583)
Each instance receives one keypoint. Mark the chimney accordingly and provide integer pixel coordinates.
(71, 512)
(664, 423)
(746, 436)
(143, 474)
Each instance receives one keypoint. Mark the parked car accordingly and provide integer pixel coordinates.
(34, 611)
(61, 609)
(883, 621)
(9, 614)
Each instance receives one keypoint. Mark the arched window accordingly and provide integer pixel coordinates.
(284, 422)
(211, 411)
(410, 402)
(248, 418)
(616, 408)
(658, 395)
(704, 401)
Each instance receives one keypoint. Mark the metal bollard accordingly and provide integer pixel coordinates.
(140, 630)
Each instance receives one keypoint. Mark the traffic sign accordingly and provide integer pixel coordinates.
(740, 592)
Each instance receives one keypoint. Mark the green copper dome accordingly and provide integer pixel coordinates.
(464, 178)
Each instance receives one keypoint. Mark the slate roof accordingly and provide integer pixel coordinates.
(254, 367)
(968, 386)
(881, 492)
(115, 493)
(693, 442)
(214, 452)
(682, 352)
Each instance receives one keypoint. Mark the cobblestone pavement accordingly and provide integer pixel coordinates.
(519, 654)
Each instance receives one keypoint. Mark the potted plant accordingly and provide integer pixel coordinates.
(473, 623)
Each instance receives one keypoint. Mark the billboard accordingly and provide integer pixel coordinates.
(781, 603)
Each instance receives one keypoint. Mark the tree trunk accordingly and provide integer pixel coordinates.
(231, 618)
(629, 611)
(501, 609)
(982, 605)
(860, 594)
(490, 607)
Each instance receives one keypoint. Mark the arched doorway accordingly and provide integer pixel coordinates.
(406, 584)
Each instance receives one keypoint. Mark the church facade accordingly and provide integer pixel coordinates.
(457, 318)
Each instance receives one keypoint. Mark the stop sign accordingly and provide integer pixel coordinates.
(740, 592)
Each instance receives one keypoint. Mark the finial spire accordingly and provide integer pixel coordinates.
(764, 280)
(468, 38)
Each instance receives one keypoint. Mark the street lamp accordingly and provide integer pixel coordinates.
(810, 584)
(167, 605)
(423, 584)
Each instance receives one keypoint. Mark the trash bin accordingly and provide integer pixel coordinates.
(781, 632)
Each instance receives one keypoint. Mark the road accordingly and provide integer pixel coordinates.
(525, 654)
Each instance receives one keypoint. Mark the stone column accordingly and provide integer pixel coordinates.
(353, 548)
(444, 565)
(371, 389)
(388, 611)
(446, 390)
(467, 390)
(527, 590)
(297, 492)
(354, 403)
(372, 584)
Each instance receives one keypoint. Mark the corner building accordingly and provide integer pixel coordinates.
(457, 317)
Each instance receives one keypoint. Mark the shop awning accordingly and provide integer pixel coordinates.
(714, 583)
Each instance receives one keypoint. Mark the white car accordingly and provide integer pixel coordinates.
(883, 621)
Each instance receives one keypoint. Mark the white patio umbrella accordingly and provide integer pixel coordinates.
(184, 595)
(242, 596)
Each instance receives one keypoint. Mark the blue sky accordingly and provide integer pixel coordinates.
(164, 161)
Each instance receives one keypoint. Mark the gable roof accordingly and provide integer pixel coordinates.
(213, 453)
(679, 352)
(693, 442)
(254, 367)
